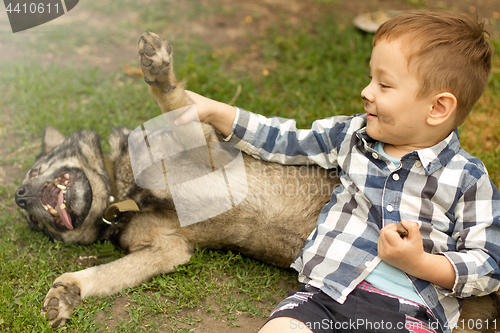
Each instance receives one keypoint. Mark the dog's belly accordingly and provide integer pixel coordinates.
(270, 224)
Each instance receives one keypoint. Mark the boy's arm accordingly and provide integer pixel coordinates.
(475, 261)
(272, 139)
(218, 114)
(408, 255)
(477, 233)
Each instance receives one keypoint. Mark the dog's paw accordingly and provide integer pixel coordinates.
(155, 57)
(59, 303)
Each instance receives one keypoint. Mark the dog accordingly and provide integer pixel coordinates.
(73, 193)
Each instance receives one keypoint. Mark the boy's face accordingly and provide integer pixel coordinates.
(395, 116)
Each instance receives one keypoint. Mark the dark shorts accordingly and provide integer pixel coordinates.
(366, 309)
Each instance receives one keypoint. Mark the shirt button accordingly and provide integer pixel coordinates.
(389, 208)
(418, 164)
(368, 264)
(375, 155)
(395, 177)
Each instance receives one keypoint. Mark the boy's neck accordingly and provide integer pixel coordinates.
(398, 151)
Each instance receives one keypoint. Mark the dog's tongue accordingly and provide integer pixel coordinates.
(62, 212)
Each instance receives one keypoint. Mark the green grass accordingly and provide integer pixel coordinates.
(316, 69)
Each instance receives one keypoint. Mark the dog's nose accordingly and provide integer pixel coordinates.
(21, 195)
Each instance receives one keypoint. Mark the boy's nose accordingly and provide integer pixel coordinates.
(369, 92)
(366, 95)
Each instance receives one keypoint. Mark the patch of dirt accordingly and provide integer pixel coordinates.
(245, 324)
(208, 323)
(230, 33)
(201, 320)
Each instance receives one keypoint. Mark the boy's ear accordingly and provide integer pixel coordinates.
(443, 108)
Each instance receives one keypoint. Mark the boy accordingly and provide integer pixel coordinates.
(400, 162)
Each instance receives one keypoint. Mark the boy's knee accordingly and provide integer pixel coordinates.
(284, 325)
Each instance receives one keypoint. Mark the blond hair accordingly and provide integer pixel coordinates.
(448, 52)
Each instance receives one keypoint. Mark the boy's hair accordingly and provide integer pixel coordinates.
(448, 52)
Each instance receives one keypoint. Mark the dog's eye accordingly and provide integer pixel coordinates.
(33, 173)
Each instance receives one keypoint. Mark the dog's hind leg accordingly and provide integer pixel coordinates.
(159, 256)
(156, 59)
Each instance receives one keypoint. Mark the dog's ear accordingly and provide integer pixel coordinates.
(51, 137)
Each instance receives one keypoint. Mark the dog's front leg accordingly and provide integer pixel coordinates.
(157, 61)
(108, 279)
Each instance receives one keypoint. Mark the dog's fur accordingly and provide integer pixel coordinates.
(271, 224)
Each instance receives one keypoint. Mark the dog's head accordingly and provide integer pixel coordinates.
(66, 191)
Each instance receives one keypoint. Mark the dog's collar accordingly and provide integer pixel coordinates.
(109, 165)
(111, 213)
(113, 210)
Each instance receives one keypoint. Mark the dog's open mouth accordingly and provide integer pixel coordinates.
(55, 198)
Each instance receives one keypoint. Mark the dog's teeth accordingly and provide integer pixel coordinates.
(53, 211)
(61, 187)
(62, 206)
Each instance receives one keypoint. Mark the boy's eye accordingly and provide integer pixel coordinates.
(383, 85)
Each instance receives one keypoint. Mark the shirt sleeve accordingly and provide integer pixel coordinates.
(477, 234)
(278, 139)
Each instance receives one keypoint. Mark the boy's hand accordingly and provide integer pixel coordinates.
(404, 253)
(204, 106)
(407, 253)
(220, 115)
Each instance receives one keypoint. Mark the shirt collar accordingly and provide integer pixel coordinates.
(437, 156)
(432, 158)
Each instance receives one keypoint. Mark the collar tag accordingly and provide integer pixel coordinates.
(113, 210)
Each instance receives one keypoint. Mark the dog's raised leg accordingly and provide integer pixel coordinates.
(156, 59)
(157, 64)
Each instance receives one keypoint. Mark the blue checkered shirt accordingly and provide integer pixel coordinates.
(443, 187)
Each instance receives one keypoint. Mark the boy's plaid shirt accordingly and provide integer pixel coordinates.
(443, 187)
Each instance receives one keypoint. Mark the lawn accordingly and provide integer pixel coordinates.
(79, 73)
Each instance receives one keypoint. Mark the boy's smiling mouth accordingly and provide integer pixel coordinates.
(366, 107)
